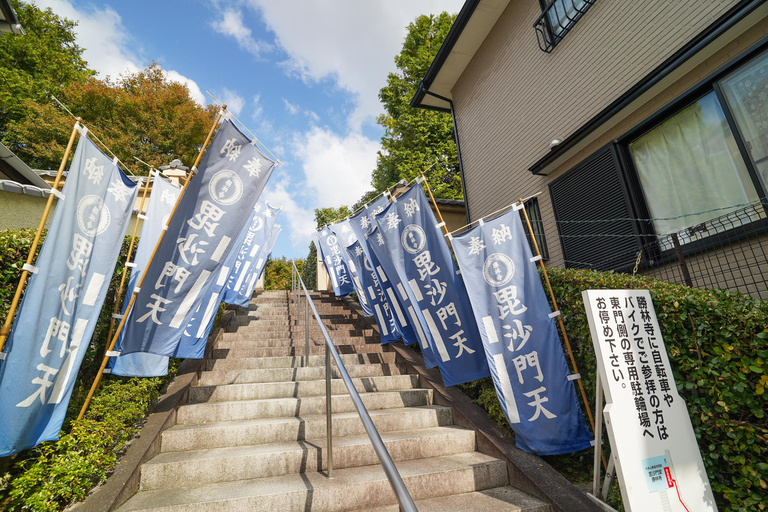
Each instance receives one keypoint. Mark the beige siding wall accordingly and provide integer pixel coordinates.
(513, 99)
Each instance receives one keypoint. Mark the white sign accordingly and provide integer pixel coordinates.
(654, 448)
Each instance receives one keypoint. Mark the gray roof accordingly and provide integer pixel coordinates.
(14, 168)
(9, 22)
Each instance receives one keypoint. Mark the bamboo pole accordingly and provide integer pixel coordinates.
(562, 327)
(434, 203)
(144, 274)
(127, 258)
(5, 331)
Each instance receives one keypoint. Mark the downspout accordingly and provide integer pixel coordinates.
(458, 148)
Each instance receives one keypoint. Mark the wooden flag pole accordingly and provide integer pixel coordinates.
(562, 325)
(127, 258)
(6, 330)
(440, 215)
(149, 263)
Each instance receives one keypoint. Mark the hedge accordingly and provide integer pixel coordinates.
(718, 347)
(57, 473)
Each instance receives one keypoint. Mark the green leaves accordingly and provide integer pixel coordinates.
(724, 387)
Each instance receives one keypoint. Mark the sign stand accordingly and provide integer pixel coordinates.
(654, 448)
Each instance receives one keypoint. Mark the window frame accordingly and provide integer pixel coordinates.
(533, 209)
(546, 35)
(704, 87)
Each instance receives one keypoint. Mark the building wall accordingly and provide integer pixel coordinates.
(21, 211)
(513, 99)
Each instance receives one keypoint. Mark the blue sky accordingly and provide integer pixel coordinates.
(303, 75)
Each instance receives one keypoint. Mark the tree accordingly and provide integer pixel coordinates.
(142, 114)
(309, 271)
(277, 273)
(39, 64)
(417, 140)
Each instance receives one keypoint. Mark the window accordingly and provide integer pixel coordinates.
(690, 163)
(537, 225)
(557, 18)
(746, 94)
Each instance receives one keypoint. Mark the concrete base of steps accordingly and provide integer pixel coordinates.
(305, 406)
(199, 467)
(296, 361)
(280, 430)
(350, 489)
(261, 390)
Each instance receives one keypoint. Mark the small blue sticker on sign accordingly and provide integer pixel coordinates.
(653, 468)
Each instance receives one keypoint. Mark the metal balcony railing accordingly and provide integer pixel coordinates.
(556, 20)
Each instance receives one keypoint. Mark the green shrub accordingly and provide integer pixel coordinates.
(57, 473)
(718, 347)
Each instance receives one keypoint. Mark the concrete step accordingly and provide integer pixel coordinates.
(285, 407)
(253, 334)
(262, 390)
(499, 499)
(315, 340)
(350, 489)
(177, 469)
(249, 363)
(279, 430)
(219, 378)
(222, 353)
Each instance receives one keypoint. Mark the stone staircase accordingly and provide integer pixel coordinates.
(253, 433)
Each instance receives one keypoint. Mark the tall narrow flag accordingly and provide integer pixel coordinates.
(394, 293)
(406, 310)
(422, 259)
(193, 341)
(63, 299)
(330, 250)
(375, 293)
(209, 217)
(347, 237)
(261, 263)
(532, 380)
(238, 290)
(161, 201)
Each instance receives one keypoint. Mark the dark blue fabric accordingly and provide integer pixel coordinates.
(520, 339)
(421, 258)
(211, 214)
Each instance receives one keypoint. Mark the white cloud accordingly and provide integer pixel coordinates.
(352, 43)
(231, 25)
(107, 45)
(257, 108)
(312, 115)
(337, 169)
(232, 100)
(194, 90)
(290, 107)
(297, 220)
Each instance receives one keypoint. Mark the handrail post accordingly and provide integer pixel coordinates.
(306, 332)
(328, 409)
(395, 480)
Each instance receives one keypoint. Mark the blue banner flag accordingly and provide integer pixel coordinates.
(423, 261)
(238, 290)
(203, 230)
(347, 237)
(330, 249)
(406, 312)
(261, 263)
(532, 380)
(399, 305)
(63, 299)
(193, 341)
(161, 201)
(375, 293)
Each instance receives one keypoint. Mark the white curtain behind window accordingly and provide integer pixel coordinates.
(689, 164)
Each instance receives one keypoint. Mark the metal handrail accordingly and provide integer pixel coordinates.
(395, 480)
